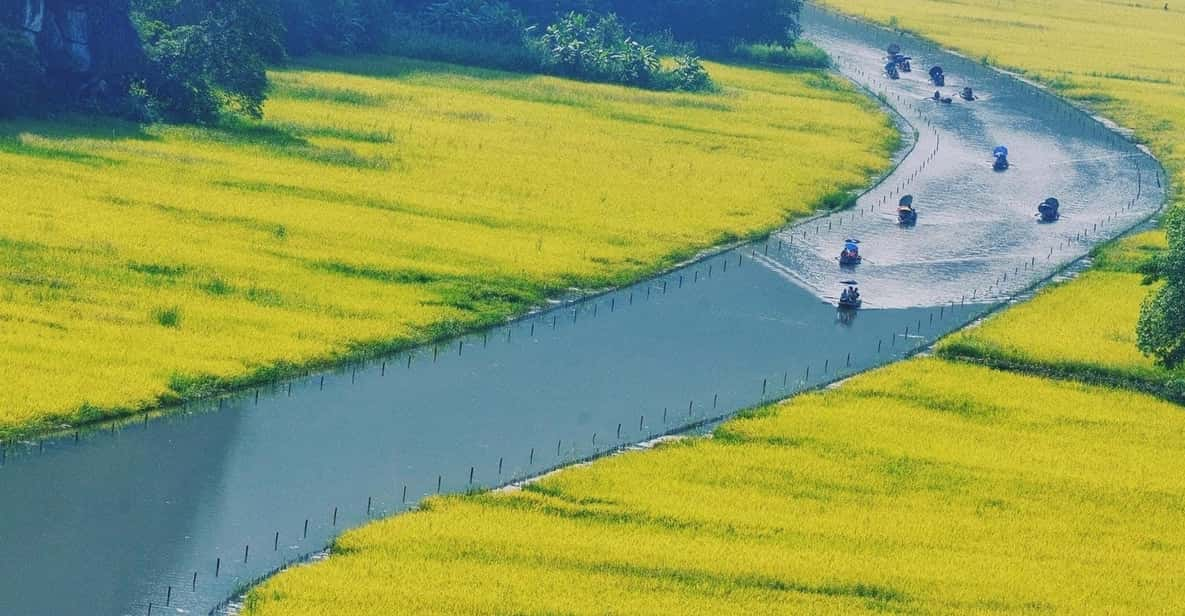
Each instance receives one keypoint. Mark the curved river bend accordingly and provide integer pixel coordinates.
(181, 512)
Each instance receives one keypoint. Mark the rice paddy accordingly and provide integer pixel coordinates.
(927, 487)
(382, 202)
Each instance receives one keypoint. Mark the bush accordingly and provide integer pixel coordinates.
(482, 20)
(799, 55)
(597, 49)
(21, 74)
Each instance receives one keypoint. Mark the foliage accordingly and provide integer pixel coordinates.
(597, 49)
(1161, 331)
(336, 26)
(802, 54)
(20, 72)
(893, 493)
(712, 24)
(207, 55)
(482, 20)
(379, 198)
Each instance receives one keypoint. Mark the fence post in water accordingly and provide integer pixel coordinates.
(500, 467)
(557, 447)
(531, 460)
(246, 553)
(217, 566)
(439, 482)
(764, 385)
(878, 345)
(641, 421)
(849, 361)
(826, 365)
(335, 516)
(306, 520)
(193, 587)
(715, 400)
(471, 469)
(169, 597)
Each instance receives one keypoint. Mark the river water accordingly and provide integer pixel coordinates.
(180, 512)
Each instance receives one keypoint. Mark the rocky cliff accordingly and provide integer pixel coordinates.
(89, 47)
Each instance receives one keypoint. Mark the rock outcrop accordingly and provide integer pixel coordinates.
(89, 47)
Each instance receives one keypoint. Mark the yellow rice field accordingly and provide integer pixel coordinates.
(383, 201)
(927, 487)
(1085, 327)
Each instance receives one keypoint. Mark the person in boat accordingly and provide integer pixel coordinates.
(937, 76)
(1001, 156)
(851, 251)
(967, 94)
(939, 98)
(1048, 209)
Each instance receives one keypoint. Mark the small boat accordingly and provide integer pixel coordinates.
(850, 298)
(937, 77)
(902, 61)
(850, 256)
(967, 94)
(1047, 211)
(1001, 156)
(907, 216)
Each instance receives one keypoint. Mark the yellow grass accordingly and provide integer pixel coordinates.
(927, 487)
(382, 201)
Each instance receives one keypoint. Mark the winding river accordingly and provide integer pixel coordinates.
(180, 512)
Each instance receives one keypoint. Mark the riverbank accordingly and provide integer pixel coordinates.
(929, 486)
(382, 204)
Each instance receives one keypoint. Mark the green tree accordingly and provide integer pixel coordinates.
(206, 56)
(1161, 330)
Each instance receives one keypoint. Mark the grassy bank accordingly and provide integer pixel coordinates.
(383, 201)
(1084, 328)
(927, 487)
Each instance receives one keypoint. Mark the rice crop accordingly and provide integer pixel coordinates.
(383, 201)
(928, 487)
(1084, 328)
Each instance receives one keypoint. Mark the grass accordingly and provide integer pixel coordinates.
(1084, 328)
(384, 201)
(927, 487)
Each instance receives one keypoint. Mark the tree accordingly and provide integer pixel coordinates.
(1161, 330)
(597, 48)
(20, 72)
(208, 55)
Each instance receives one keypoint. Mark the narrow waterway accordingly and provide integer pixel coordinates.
(182, 511)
